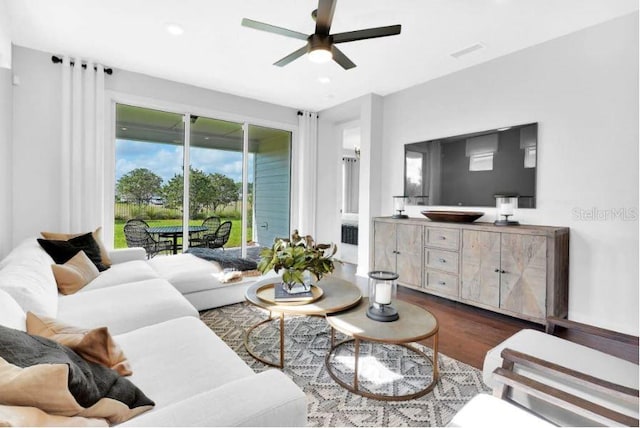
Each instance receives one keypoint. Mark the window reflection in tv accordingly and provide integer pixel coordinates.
(468, 170)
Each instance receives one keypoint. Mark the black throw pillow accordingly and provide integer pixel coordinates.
(62, 251)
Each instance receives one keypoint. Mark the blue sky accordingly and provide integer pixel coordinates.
(166, 160)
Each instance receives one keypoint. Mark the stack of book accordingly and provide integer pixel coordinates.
(298, 293)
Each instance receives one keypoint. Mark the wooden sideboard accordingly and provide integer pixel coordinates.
(521, 271)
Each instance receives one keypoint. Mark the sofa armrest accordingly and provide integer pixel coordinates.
(122, 255)
(269, 398)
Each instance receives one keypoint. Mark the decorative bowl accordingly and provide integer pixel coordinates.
(453, 216)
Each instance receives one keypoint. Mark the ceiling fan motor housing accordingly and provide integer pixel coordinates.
(318, 41)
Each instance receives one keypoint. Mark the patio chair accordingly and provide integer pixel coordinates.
(219, 238)
(135, 232)
(211, 223)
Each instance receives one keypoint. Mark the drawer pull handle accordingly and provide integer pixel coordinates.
(442, 283)
(503, 271)
(443, 238)
(496, 270)
(443, 260)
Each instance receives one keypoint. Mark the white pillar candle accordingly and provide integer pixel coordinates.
(506, 209)
(383, 293)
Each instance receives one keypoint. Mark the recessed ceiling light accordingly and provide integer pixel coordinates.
(504, 129)
(206, 138)
(324, 79)
(123, 128)
(174, 29)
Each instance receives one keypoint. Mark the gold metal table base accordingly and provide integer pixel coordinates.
(354, 388)
(252, 352)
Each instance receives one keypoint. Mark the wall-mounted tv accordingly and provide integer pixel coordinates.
(468, 170)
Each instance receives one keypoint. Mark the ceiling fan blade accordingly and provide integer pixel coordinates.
(369, 33)
(341, 58)
(324, 16)
(292, 56)
(273, 29)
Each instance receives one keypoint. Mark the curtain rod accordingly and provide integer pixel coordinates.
(57, 60)
(300, 113)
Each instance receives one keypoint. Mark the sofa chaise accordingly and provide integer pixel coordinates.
(194, 378)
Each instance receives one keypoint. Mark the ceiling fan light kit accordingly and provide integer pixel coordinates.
(320, 45)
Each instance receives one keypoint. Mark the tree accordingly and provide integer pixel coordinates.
(225, 190)
(139, 185)
(205, 190)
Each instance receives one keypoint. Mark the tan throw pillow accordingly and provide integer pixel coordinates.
(77, 272)
(24, 416)
(95, 345)
(104, 254)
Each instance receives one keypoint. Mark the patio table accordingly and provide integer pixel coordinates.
(174, 232)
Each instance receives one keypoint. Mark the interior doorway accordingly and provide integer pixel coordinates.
(349, 212)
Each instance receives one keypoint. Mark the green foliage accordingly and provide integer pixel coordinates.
(296, 255)
(205, 191)
(138, 185)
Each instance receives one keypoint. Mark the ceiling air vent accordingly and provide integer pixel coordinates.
(467, 50)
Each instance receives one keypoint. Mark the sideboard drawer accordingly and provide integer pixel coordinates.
(441, 282)
(439, 237)
(441, 260)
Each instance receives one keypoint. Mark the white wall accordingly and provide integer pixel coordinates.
(5, 36)
(36, 129)
(6, 106)
(582, 89)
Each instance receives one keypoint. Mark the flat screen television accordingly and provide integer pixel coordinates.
(468, 170)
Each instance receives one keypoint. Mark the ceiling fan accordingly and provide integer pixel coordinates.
(321, 45)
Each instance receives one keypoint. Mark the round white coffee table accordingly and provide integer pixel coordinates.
(337, 295)
(415, 324)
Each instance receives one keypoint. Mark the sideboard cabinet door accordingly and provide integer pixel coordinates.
(481, 267)
(524, 274)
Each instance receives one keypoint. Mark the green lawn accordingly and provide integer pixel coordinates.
(234, 239)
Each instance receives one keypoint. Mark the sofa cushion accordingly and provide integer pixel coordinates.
(97, 235)
(197, 354)
(27, 276)
(122, 273)
(125, 307)
(11, 315)
(38, 372)
(95, 345)
(77, 272)
(571, 355)
(61, 251)
(186, 272)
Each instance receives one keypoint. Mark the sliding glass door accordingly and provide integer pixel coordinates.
(149, 154)
(234, 177)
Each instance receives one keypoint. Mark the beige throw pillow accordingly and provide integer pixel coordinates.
(95, 345)
(77, 272)
(104, 254)
(24, 416)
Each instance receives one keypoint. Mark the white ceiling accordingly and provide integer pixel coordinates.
(216, 52)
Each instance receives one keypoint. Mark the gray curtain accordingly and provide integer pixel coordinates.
(350, 184)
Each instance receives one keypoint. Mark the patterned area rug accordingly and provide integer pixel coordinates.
(382, 369)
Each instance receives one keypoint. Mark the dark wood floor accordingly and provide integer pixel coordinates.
(466, 333)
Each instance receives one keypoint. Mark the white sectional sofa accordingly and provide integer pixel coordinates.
(194, 378)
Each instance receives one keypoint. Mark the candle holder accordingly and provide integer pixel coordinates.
(398, 205)
(506, 205)
(382, 293)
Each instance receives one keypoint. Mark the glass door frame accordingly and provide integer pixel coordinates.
(112, 98)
